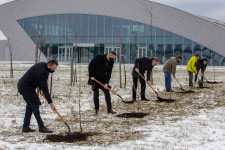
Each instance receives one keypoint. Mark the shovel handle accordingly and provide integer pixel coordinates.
(60, 116)
(178, 81)
(57, 112)
(104, 86)
(148, 84)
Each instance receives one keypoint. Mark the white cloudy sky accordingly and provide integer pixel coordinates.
(210, 8)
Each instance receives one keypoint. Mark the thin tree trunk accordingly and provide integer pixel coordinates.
(48, 59)
(75, 63)
(71, 69)
(80, 99)
(120, 70)
(48, 54)
(42, 42)
(125, 75)
(11, 64)
(75, 66)
(36, 53)
(151, 76)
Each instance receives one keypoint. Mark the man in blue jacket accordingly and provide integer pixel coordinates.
(36, 76)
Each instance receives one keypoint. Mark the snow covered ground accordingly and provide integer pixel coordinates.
(194, 121)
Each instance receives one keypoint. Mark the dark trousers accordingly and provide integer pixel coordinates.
(96, 97)
(167, 80)
(197, 75)
(31, 108)
(190, 78)
(143, 87)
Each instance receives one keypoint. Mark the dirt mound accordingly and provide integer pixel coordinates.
(203, 87)
(69, 138)
(186, 92)
(213, 82)
(165, 100)
(132, 115)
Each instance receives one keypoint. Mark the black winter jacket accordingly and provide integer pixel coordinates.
(36, 76)
(101, 69)
(143, 64)
(200, 65)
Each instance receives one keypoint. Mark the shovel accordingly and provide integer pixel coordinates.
(161, 99)
(180, 85)
(184, 91)
(200, 82)
(69, 131)
(127, 102)
(210, 82)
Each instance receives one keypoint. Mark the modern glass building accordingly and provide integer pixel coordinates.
(127, 31)
(92, 35)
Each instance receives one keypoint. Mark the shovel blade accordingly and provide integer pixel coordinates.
(128, 102)
(71, 133)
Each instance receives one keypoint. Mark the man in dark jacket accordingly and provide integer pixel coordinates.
(36, 76)
(201, 64)
(100, 68)
(141, 65)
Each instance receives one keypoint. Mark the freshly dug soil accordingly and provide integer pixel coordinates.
(166, 100)
(69, 138)
(128, 102)
(132, 115)
(186, 92)
(213, 82)
(203, 87)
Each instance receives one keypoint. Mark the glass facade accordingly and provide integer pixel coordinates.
(90, 35)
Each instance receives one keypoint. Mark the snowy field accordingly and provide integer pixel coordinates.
(194, 121)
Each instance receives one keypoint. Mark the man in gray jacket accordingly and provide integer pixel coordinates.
(170, 68)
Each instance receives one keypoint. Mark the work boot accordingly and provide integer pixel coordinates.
(111, 111)
(169, 91)
(45, 130)
(96, 111)
(27, 129)
(144, 99)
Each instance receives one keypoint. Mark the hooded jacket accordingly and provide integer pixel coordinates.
(191, 65)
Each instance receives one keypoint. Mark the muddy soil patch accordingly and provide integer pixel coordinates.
(165, 100)
(204, 87)
(213, 82)
(183, 92)
(132, 115)
(69, 138)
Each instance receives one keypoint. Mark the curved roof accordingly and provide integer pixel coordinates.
(219, 23)
(195, 28)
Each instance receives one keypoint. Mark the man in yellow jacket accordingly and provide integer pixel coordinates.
(191, 68)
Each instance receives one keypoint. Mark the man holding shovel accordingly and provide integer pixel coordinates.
(191, 68)
(201, 64)
(170, 68)
(100, 68)
(36, 76)
(141, 65)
